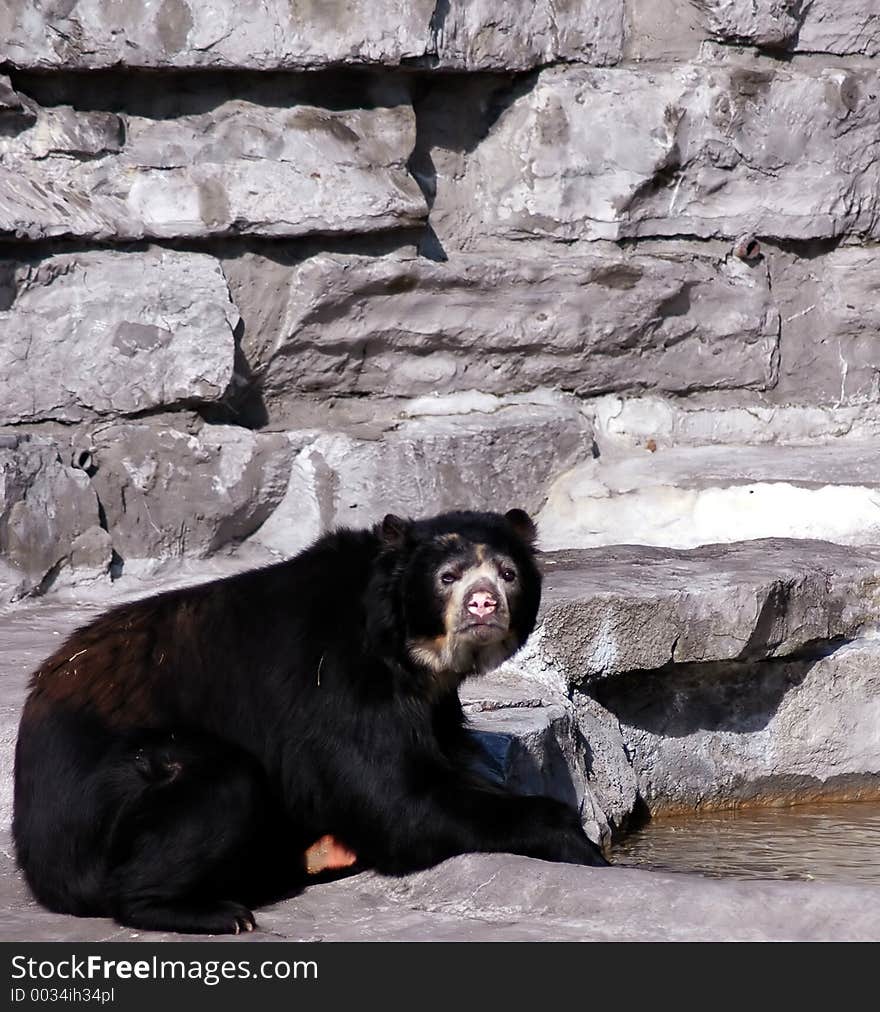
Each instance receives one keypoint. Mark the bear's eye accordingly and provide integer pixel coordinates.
(448, 576)
(508, 574)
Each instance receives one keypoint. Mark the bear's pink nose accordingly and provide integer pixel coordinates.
(481, 603)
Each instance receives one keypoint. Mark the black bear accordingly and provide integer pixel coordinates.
(178, 757)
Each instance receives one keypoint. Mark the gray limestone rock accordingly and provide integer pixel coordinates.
(771, 24)
(48, 514)
(483, 35)
(169, 493)
(663, 30)
(66, 132)
(501, 897)
(97, 332)
(830, 322)
(845, 27)
(744, 674)
(509, 320)
(533, 743)
(278, 35)
(701, 495)
(607, 611)
(419, 464)
(626, 904)
(722, 676)
(17, 112)
(658, 678)
(92, 551)
(623, 425)
(694, 150)
(610, 774)
(243, 166)
(779, 732)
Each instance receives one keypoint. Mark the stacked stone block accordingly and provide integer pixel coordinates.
(267, 271)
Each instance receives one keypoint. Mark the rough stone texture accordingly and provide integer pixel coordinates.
(92, 550)
(242, 166)
(493, 897)
(831, 319)
(232, 33)
(483, 35)
(740, 674)
(168, 493)
(453, 34)
(48, 515)
(632, 608)
(101, 332)
(662, 30)
(697, 495)
(772, 24)
(428, 462)
(17, 112)
(533, 743)
(715, 677)
(695, 150)
(610, 777)
(624, 425)
(506, 321)
(846, 27)
(706, 141)
(752, 734)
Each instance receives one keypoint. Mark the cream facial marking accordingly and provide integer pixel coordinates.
(477, 585)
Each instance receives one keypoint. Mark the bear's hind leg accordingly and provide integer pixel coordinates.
(200, 843)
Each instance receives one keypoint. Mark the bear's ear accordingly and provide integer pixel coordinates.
(394, 530)
(523, 524)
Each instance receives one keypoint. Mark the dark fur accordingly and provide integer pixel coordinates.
(177, 756)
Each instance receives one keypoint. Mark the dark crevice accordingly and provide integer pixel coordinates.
(806, 249)
(47, 422)
(288, 250)
(48, 580)
(185, 408)
(102, 514)
(678, 699)
(169, 93)
(117, 565)
(632, 821)
(242, 403)
(420, 166)
(813, 650)
(503, 758)
(438, 21)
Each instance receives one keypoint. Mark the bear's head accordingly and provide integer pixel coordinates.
(463, 588)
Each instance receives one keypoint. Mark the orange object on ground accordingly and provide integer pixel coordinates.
(328, 854)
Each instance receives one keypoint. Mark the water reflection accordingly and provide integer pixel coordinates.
(825, 843)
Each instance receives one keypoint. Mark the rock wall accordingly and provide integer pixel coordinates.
(672, 681)
(266, 270)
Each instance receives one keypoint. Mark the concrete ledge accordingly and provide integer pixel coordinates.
(631, 607)
(495, 897)
(683, 497)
